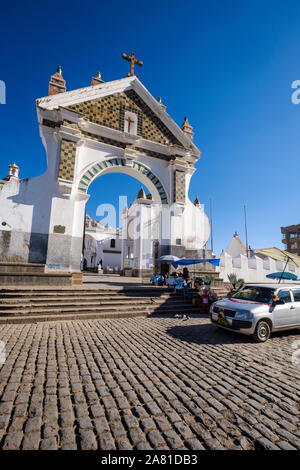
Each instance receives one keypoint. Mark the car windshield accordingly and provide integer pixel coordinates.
(255, 294)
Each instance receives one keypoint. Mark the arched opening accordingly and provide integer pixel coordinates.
(136, 169)
(110, 196)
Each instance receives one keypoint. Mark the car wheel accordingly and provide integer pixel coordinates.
(262, 332)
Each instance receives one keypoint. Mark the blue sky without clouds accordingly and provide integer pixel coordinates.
(227, 65)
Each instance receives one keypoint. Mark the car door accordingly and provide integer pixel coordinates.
(285, 313)
(296, 295)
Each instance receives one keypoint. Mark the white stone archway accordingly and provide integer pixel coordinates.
(85, 136)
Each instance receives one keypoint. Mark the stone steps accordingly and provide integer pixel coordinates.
(51, 318)
(81, 314)
(29, 308)
(35, 304)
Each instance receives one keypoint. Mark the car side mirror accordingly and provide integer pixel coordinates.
(277, 301)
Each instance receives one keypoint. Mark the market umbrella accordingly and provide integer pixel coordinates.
(168, 259)
(194, 261)
(187, 262)
(287, 276)
(280, 255)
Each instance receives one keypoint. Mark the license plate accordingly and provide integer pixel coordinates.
(222, 320)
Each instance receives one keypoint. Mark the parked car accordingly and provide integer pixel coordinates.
(258, 310)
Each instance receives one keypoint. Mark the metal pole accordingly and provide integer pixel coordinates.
(211, 226)
(246, 231)
(288, 258)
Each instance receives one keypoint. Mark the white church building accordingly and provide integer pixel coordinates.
(102, 248)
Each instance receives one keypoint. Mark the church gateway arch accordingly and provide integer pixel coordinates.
(114, 127)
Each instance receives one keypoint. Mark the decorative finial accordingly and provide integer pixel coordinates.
(131, 58)
(57, 84)
(13, 171)
(187, 129)
(141, 194)
(97, 80)
(159, 100)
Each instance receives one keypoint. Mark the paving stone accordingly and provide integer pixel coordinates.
(183, 430)
(107, 442)
(173, 416)
(162, 423)
(6, 408)
(155, 438)
(67, 436)
(33, 424)
(136, 436)
(13, 440)
(50, 414)
(88, 440)
(123, 444)
(213, 444)
(286, 435)
(66, 419)
(49, 443)
(101, 425)
(143, 446)
(131, 421)
(117, 429)
(194, 444)
(69, 447)
(153, 408)
(265, 444)
(31, 441)
(285, 445)
(172, 438)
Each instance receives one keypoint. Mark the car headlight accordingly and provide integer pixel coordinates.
(243, 316)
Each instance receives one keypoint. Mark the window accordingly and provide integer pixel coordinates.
(178, 241)
(293, 234)
(296, 295)
(285, 295)
(255, 294)
(113, 243)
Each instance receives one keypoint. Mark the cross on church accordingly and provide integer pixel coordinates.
(129, 122)
(131, 58)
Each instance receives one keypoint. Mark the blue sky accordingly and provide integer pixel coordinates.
(227, 65)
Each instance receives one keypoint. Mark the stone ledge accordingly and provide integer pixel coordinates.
(19, 267)
(40, 279)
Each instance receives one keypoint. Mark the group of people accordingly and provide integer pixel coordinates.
(184, 275)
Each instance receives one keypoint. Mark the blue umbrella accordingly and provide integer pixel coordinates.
(286, 275)
(187, 262)
(168, 259)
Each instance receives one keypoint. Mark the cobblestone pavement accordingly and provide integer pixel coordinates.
(146, 383)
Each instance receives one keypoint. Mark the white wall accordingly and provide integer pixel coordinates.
(253, 269)
(98, 246)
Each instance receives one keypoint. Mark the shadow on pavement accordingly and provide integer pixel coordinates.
(206, 334)
(210, 334)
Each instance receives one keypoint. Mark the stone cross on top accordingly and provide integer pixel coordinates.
(131, 58)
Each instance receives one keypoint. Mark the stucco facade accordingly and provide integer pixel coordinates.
(85, 136)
